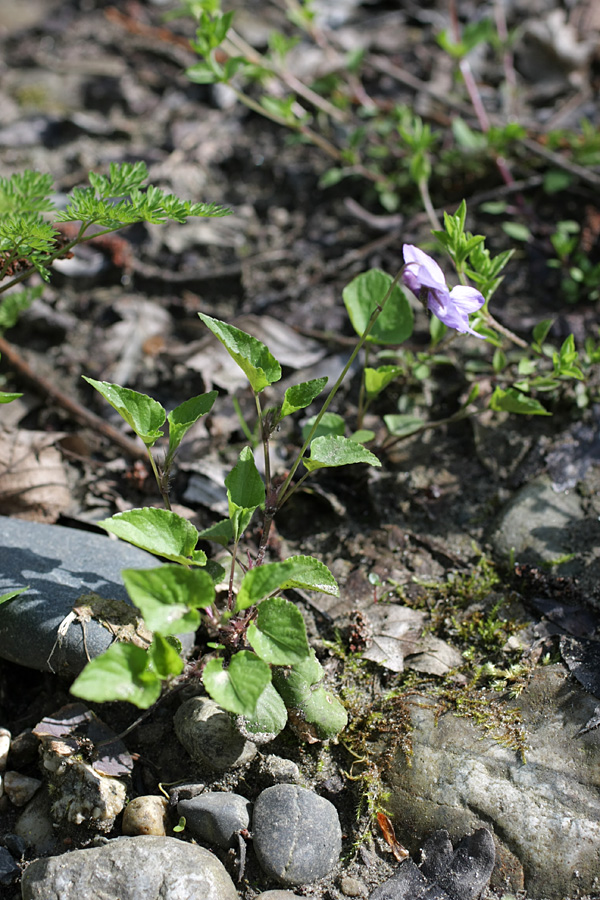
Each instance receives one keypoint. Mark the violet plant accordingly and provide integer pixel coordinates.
(257, 662)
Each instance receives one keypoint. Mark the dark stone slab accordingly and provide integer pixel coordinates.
(59, 565)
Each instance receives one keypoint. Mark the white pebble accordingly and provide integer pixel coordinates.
(5, 738)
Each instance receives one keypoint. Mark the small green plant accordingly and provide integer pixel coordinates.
(580, 277)
(258, 663)
(30, 236)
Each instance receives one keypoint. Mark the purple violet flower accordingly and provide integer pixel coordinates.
(425, 279)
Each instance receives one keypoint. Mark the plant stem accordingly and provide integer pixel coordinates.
(362, 403)
(241, 46)
(160, 480)
(285, 492)
(315, 138)
(47, 388)
(506, 332)
(264, 433)
(392, 440)
(230, 598)
(428, 205)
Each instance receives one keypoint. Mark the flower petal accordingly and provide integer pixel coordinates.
(428, 272)
(467, 299)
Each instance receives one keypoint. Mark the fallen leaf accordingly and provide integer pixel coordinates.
(76, 729)
(387, 829)
(33, 480)
(433, 657)
(396, 632)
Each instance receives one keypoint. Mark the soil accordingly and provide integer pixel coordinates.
(83, 84)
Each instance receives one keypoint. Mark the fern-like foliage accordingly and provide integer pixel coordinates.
(26, 241)
(30, 240)
(122, 199)
(27, 191)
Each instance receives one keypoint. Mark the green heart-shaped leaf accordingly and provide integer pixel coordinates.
(159, 531)
(254, 359)
(143, 414)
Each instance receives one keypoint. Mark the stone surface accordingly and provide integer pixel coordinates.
(353, 887)
(216, 816)
(20, 788)
(277, 895)
(278, 770)
(445, 873)
(5, 738)
(59, 565)
(79, 793)
(35, 826)
(545, 811)
(146, 815)
(297, 834)
(133, 868)
(9, 870)
(15, 845)
(210, 737)
(539, 524)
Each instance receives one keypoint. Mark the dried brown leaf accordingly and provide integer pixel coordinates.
(33, 480)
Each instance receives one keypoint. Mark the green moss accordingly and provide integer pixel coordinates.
(469, 611)
(498, 721)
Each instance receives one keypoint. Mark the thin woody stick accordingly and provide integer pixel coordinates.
(47, 389)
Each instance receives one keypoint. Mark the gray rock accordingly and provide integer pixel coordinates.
(15, 845)
(35, 825)
(353, 887)
(278, 770)
(216, 816)
(539, 524)
(59, 565)
(277, 895)
(134, 868)
(445, 873)
(544, 811)
(465, 874)
(297, 834)
(210, 737)
(408, 883)
(9, 870)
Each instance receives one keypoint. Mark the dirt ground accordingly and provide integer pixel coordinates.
(83, 83)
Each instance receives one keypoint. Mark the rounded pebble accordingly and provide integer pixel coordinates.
(215, 817)
(352, 887)
(36, 827)
(277, 895)
(155, 868)
(15, 845)
(5, 737)
(20, 788)
(9, 870)
(297, 834)
(146, 815)
(278, 770)
(24, 749)
(210, 737)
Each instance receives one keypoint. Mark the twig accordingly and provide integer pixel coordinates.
(585, 174)
(252, 55)
(47, 389)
